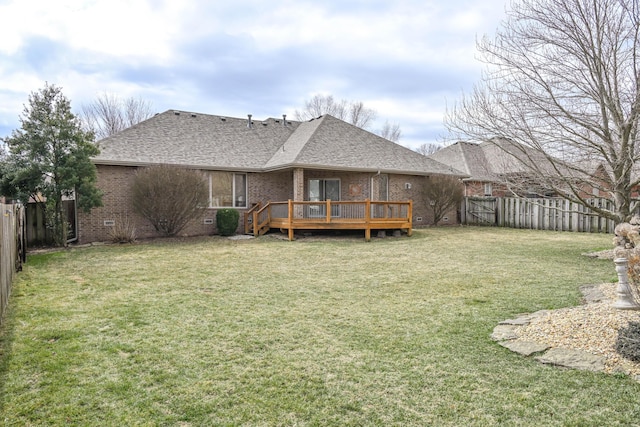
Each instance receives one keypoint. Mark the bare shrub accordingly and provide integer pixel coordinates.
(628, 343)
(169, 197)
(123, 231)
(442, 194)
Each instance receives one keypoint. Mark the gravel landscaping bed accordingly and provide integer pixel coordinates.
(592, 327)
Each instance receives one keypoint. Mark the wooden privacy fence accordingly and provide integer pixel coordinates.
(539, 214)
(12, 249)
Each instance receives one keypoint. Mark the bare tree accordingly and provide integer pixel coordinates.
(442, 194)
(428, 148)
(136, 110)
(390, 131)
(359, 115)
(110, 114)
(353, 112)
(169, 197)
(322, 104)
(563, 81)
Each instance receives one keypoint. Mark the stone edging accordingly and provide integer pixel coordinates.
(506, 334)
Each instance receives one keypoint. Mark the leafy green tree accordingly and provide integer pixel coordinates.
(49, 159)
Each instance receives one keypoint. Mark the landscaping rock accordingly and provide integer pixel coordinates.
(241, 237)
(578, 338)
(574, 359)
(592, 294)
(522, 320)
(504, 332)
(525, 348)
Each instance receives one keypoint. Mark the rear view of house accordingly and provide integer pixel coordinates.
(251, 162)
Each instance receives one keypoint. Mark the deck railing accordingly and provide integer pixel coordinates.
(363, 215)
(248, 218)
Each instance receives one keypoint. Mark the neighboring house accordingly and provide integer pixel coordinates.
(249, 161)
(496, 168)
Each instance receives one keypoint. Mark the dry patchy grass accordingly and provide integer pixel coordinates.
(312, 332)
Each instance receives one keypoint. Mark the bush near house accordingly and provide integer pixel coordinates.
(170, 197)
(227, 221)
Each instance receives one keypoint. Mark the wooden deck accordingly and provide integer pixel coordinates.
(327, 215)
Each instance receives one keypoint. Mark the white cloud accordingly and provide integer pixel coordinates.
(403, 58)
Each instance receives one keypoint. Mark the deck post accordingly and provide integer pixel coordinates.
(410, 218)
(328, 208)
(290, 219)
(256, 228)
(367, 220)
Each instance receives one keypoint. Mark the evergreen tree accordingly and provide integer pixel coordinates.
(49, 159)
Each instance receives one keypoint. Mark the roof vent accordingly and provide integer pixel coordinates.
(224, 119)
(264, 123)
(249, 122)
(193, 115)
(177, 113)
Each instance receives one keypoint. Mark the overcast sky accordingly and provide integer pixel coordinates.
(407, 59)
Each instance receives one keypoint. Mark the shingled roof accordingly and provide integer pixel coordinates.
(465, 157)
(491, 159)
(223, 143)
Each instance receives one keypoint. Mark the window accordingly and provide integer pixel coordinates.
(227, 189)
(488, 191)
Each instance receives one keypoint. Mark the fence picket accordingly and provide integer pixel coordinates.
(538, 214)
(12, 249)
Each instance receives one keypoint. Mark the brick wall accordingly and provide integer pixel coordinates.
(403, 187)
(272, 186)
(476, 189)
(115, 183)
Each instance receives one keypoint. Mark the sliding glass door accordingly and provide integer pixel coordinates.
(321, 190)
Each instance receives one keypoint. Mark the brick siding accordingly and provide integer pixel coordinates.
(115, 182)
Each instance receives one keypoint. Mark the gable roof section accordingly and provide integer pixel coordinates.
(466, 157)
(196, 140)
(219, 143)
(489, 160)
(330, 143)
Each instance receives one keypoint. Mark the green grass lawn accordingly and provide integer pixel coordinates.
(322, 332)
